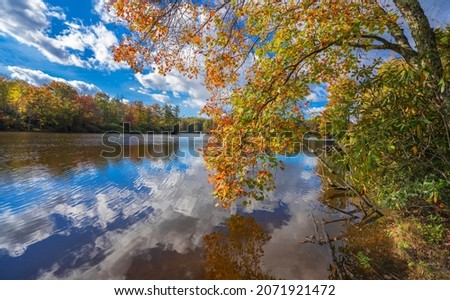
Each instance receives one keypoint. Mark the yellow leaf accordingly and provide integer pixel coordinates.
(196, 39)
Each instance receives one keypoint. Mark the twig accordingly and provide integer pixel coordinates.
(341, 211)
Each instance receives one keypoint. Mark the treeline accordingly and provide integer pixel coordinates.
(57, 106)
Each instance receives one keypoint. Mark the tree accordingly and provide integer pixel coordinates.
(4, 85)
(87, 113)
(57, 106)
(5, 108)
(64, 103)
(18, 95)
(260, 59)
(44, 107)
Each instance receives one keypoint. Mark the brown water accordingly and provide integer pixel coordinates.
(67, 212)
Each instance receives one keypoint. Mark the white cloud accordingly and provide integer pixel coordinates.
(96, 38)
(29, 21)
(37, 77)
(160, 98)
(142, 91)
(318, 93)
(194, 103)
(177, 84)
(107, 16)
(312, 97)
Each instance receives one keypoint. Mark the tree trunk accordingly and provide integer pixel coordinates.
(423, 36)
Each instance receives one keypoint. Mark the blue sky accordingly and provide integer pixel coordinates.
(69, 40)
(44, 40)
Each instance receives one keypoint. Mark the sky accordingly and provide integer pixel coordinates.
(70, 41)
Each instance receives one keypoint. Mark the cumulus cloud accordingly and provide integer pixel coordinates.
(318, 93)
(161, 98)
(194, 103)
(107, 16)
(37, 77)
(96, 38)
(178, 85)
(29, 22)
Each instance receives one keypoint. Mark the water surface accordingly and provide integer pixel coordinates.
(67, 212)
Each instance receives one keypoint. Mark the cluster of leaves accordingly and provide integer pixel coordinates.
(259, 60)
(58, 106)
(284, 46)
(393, 135)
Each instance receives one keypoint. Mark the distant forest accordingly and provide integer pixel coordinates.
(57, 106)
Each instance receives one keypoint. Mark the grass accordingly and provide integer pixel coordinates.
(423, 243)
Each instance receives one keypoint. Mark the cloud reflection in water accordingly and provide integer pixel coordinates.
(91, 218)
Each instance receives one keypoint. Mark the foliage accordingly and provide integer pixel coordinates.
(260, 59)
(392, 138)
(195, 124)
(364, 260)
(58, 106)
(419, 242)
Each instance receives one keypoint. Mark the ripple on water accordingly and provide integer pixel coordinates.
(66, 212)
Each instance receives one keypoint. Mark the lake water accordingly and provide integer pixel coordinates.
(67, 212)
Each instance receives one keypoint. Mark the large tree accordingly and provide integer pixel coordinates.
(260, 59)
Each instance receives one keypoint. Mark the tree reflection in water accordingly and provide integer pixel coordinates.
(236, 252)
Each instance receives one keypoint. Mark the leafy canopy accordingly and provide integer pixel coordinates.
(259, 60)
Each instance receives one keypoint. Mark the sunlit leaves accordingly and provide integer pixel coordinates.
(58, 106)
(259, 60)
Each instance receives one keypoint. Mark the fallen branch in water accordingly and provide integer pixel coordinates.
(350, 187)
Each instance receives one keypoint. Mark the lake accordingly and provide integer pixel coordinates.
(66, 212)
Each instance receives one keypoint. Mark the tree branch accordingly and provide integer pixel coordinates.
(408, 53)
(293, 69)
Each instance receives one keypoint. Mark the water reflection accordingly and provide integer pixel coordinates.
(165, 264)
(236, 252)
(59, 153)
(67, 212)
